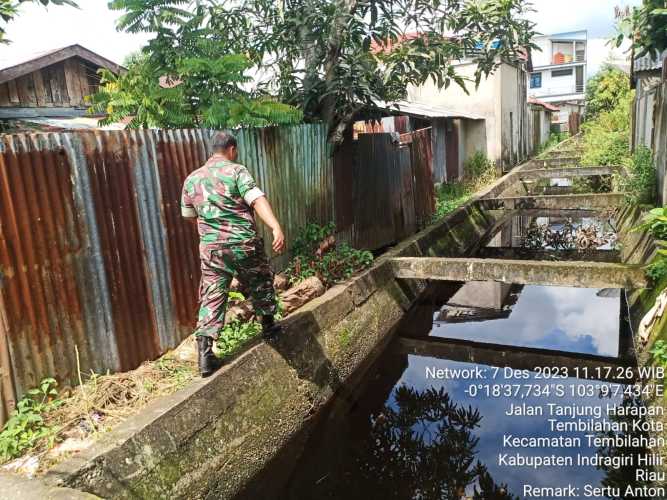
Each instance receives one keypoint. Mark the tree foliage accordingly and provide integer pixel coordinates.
(198, 91)
(645, 26)
(331, 58)
(10, 8)
(605, 90)
(606, 138)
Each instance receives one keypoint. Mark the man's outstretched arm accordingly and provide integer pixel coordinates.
(263, 209)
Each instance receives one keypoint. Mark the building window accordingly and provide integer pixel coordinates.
(535, 80)
(561, 72)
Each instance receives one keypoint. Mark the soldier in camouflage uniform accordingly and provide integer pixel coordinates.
(222, 196)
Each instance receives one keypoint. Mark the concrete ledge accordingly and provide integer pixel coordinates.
(210, 440)
(13, 487)
(565, 201)
(572, 273)
(559, 161)
(565, 172)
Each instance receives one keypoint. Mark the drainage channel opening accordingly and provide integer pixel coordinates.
(582, 235)
(455, 406)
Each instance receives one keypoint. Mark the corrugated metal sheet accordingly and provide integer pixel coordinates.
(94, 254)
(294, 167)
(422, 168)
(422, 110)
(649, 62)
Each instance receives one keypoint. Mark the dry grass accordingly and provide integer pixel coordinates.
(100, 402)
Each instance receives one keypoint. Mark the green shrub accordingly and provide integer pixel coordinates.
(655, 222)
(605, 90)
(450, 196)
(315, 252)
(26, 427)
(479, 172)
(659, 352)
(657, 269)
(640, 183)
(555, 138)
(235, 335)
(606, 139)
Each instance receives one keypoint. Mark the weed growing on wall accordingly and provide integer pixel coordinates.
(655, 222)
(640, 181)
(235, 335)
(659, 352)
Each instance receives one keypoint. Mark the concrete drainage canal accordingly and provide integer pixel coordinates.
(493, 355)
(494, 389)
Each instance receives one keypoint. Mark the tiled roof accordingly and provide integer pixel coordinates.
(545, 105)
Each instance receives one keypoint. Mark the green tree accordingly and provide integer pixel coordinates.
(331, 58)
(645, 26)
(604, 91)
(197, 91)
(606, 138)
(10, 8)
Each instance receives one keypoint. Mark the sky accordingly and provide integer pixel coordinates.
(39, 28)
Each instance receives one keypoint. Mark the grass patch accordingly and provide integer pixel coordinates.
(479, 173)
(44, 417)
(555, 138)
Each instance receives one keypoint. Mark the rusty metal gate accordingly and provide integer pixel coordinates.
(392, 188)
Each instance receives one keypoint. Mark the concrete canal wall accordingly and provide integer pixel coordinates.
(211, 439)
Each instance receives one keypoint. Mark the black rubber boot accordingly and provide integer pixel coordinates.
(270, 329)
(208, 361)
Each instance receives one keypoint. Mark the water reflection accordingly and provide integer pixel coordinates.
(567, 319)
(422, 444)
(409, 434)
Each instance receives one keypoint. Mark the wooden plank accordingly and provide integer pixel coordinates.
(579, 274)
(4, 94)
(84, 84)
(36, 112)
(46, 80)
(40, 91)
(70, 67)
(13, 92)
(26, 91)
(58, 86)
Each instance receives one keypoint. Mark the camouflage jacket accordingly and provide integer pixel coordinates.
(220, 194)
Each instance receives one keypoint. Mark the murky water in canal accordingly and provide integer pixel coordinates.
(434, 418)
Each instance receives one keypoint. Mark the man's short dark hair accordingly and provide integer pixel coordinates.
(222, 140)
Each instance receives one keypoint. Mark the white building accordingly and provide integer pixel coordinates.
(559, 73)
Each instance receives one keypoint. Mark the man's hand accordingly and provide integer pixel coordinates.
(263, 209)
(278, 240)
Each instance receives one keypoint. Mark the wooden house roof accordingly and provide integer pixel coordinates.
(10, 70)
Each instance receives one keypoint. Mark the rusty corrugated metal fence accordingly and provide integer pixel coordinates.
(94, 253)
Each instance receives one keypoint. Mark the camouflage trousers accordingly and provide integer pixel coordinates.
(219, 265)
